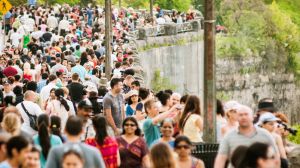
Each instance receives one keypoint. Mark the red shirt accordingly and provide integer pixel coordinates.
(10, 71)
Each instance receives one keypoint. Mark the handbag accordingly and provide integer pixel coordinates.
(32, 118)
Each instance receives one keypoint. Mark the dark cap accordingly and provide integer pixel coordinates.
(86, 103)
(266, 106)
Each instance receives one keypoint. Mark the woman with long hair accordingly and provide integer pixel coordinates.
(259, 155)
(51, 97)
(161, 155)
(11, 124)
(59, 107)
(44, 139)
(107, 145)
(133, 148)
(183, 148)
(221, 120)
(55, 127)
(191, 122)
(44, 69)
(27, 72)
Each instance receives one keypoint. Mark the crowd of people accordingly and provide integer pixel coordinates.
(59, 110)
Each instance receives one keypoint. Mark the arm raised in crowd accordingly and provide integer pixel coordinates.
(168, 114)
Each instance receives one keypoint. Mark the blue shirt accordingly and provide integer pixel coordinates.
(8, 15)
(80, 71)
(40, 85)
(89, 13)
(151, 131)
(54, 141)
(4, 164)
(129, 111)
(171, 143)
(31, 2)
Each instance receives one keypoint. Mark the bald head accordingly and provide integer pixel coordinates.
(29, 96)
(245, 116)
(242, 109)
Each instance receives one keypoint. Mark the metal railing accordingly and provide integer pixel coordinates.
(161, 30)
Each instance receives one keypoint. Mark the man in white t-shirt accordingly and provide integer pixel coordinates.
(32, 108)
(52, 22)
(15, 38)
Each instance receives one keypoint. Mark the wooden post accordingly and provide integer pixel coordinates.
(4, 34)
(209, 73)
(151, 8)
(108, 39)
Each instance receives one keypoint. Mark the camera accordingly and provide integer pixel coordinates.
(290, 130)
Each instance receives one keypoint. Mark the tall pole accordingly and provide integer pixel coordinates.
(4, 34)
(151, 8)
(108, 39)
(209, 73)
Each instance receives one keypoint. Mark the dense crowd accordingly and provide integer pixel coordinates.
(59, 110)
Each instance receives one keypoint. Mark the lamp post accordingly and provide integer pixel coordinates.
(108, 39)
(209, 73)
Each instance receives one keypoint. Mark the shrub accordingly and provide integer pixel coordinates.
(159, 83)
(295, 139)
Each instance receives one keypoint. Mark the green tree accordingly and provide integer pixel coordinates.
(137, 4)
(18, 2)
(180, 5)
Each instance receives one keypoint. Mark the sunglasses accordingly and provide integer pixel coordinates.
(270, 157)
(182, 146)
(130, 125)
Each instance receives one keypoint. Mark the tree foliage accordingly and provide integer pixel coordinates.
(180, 5)
(17, 2)
(256, 29)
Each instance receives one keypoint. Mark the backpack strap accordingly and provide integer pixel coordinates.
(26, 111)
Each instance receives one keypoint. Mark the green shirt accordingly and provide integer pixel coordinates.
(151, 131)
(26, 40)
(78, 53)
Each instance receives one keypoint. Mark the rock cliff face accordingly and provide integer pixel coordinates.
(180, 58)
(247, 82)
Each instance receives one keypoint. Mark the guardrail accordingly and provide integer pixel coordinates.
(166, 29)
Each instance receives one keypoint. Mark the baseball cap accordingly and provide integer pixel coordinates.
(267, 117)
(91, 88)
(86, 103)
(133, 92)
(231, 105)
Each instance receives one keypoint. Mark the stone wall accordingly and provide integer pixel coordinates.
(246, 81)
(180, 58)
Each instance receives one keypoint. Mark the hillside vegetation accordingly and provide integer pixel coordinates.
(260, 29)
